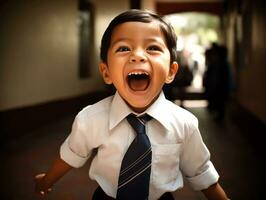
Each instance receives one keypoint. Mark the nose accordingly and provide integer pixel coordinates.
(137, 56)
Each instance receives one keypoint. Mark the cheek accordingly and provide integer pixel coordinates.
(163, 67)
(116, 73)
(164, 61)
(117, 64)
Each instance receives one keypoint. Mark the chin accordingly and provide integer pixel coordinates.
(139, 100)
(139, 106)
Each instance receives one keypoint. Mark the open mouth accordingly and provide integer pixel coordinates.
(138, 81)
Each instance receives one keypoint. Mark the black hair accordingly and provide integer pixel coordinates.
(135, 15)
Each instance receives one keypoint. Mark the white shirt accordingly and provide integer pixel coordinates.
(177, 146)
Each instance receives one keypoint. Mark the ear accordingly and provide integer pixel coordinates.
(105, 73)
(172, 72)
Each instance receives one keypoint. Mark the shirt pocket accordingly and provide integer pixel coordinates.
(165, 163)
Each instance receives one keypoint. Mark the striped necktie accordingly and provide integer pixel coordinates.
(134, 178)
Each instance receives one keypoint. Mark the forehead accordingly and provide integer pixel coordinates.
(138, 30)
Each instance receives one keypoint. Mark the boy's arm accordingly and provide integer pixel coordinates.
(215, 192)
(44, 182)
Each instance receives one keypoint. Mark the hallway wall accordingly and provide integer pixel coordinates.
(105, 11)
(252, 89)
(246, 41)
(39, 50)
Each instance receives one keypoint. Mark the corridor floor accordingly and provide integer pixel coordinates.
(234, 145)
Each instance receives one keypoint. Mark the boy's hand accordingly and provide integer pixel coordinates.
(40, 185)
(44, 181)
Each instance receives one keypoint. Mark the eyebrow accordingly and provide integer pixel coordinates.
(152, 39)
(119, 40)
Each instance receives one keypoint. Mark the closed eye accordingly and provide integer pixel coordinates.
(122, 49)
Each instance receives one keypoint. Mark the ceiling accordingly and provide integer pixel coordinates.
(165, 7)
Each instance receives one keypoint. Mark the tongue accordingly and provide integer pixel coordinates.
(138, 84)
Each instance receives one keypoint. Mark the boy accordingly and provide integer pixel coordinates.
(138, 53)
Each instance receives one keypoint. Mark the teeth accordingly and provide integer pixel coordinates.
(138, 73)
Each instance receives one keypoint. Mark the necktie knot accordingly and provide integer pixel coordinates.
(138, 123)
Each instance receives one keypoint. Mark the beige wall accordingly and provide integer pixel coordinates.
(105, 11)
(149, 5)
(39, 50)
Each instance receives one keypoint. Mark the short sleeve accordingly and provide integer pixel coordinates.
(76, 148)
(205, 179)
(195, 162)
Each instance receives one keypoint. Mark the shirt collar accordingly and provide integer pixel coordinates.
(159, 110)
(120, 110)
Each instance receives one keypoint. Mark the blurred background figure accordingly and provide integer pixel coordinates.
(217, 80)
(183, 79)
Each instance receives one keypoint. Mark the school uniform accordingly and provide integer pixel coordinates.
(177, 146)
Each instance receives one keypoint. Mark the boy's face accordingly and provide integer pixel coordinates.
(138, 63)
